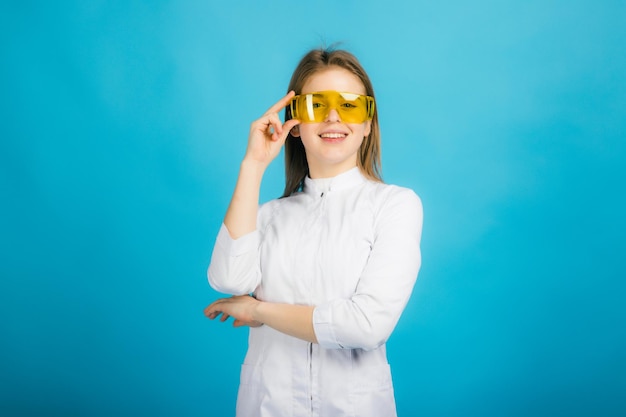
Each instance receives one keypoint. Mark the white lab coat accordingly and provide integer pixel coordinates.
(353, 252)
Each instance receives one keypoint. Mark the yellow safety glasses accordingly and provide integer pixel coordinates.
(314, 107)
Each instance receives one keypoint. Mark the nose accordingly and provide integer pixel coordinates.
(332, 116)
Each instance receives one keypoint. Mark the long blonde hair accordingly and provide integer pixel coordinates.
(296, 165)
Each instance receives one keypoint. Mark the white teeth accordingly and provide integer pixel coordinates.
(333, 135)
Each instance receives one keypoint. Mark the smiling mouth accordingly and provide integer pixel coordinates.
(333, 135)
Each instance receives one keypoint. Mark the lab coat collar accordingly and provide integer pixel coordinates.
(348, 179)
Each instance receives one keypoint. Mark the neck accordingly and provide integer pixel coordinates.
(328, 171)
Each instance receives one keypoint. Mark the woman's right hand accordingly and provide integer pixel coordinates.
(268, 134)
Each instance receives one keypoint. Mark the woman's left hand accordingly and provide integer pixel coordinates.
(240, 307)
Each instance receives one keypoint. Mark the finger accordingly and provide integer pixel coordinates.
(290, 124)
(282, 103)
(208, 310)
(224, 317)
(270, 121)
(214, 303)
(212, 308)
(274, 125)
(286, 128)
(268, 124)
(212, 315)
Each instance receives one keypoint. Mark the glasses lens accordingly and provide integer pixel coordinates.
(314, 107)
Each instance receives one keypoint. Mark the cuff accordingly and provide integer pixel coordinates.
(323, 327)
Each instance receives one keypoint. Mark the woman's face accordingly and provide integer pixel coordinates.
(332, 146)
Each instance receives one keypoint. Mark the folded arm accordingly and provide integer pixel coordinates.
(364, 320)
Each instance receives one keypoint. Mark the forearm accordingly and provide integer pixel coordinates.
(241, 215)
(293, 320)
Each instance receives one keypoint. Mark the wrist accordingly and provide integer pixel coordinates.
(252, 165)
(257, 311)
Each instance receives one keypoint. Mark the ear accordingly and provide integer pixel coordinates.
(295, 131)
(368, 128)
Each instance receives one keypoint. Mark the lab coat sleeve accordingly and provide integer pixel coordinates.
(367, 319)
(234, 267)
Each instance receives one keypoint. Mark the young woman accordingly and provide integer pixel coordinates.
(330, 265)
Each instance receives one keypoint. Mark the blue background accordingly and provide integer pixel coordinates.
(122, 127)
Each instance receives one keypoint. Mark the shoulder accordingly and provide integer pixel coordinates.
(394, 197)
(394, 208)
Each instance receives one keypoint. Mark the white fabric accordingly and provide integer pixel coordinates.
(322, 184)
(351, 251)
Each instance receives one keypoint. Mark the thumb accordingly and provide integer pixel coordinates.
(289, 124)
